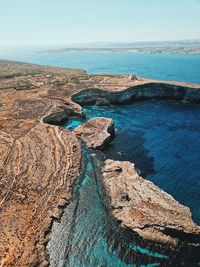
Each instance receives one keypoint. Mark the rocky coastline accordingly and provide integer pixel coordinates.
(148, 91)
(41, 162)
(144, 208)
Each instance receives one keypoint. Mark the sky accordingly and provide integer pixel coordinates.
(82, 21)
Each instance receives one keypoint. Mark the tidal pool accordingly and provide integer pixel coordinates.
(163, 139)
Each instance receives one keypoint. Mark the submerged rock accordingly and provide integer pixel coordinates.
(96, 133)
(146, 209)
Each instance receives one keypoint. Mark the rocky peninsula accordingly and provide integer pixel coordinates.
(40, 162)
(146, 209)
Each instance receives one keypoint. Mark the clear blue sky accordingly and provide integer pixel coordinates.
(65, 21)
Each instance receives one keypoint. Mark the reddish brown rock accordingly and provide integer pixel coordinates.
(96, 133)
(39, 164)
(146, 209)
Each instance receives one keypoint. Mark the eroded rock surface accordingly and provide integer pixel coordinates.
(39, 164)
(146, 209)
(139, 90)
(96, 133)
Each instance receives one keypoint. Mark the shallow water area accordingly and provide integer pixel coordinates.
(162, 138)
(88, 234)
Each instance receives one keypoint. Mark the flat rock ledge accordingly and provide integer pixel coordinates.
(146, 209)
(96, 133)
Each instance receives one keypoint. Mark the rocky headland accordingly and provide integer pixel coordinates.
(143, 207)
(40, 162)
(96, 133)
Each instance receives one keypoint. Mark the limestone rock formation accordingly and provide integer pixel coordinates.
(96, 133)
(139, 91)
(39, 164)
(146, 209)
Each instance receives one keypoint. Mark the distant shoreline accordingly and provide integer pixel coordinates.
(186, 51)
(170, 47)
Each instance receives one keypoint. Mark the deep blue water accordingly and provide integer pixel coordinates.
(174, 67)
(163, 139)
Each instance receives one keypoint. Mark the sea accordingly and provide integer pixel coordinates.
(173, 67)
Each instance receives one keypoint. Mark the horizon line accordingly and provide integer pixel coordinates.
(98, 42)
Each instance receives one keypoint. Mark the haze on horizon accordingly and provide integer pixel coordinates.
(82, 21)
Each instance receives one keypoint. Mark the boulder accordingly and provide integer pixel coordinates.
(96, 133)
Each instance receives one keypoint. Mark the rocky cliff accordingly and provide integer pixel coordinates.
(147, 91)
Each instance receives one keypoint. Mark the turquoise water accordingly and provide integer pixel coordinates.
(172, 67)
(97, 240)
(163, 139)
